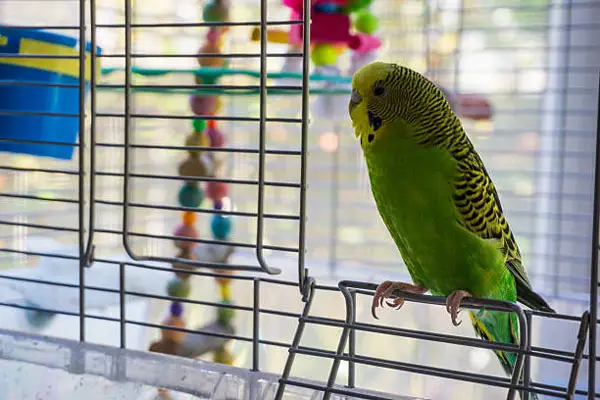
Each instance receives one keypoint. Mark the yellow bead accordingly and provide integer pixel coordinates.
(223, 356)
(204, 140)
(218, 105)
(197, 139)
(225, 290)
(324, 54)
(223, 280)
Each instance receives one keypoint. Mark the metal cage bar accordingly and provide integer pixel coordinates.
(594, 263)
(513, 385)
(262, 151)
(82, 169)
(472, 303)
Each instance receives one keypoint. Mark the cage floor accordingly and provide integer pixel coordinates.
(38, 367)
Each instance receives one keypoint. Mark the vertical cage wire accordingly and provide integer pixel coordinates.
(594, 263)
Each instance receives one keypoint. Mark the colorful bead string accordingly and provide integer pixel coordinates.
(205, 133)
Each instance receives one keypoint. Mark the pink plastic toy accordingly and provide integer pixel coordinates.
(331, 29)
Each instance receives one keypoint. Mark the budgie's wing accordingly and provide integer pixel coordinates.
(480, 212)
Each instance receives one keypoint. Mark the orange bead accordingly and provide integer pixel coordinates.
(221, 280)
(164, 347)
(175, 336)
(189, 218)
(223, 271)
(164, 394)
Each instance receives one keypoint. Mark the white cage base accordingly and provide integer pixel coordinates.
(38, 367)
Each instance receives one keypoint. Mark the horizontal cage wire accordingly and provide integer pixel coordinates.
(105, 219)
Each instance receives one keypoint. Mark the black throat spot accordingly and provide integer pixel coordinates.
(374, 120)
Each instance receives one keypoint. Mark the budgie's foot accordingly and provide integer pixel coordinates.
(453, 304)
(386, 290)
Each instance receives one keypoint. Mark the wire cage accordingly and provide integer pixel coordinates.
(87, 243)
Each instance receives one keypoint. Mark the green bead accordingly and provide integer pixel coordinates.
(179, 288)
(323, 54)
(212, 79)
(225, 315)
(213, 12)
(356, 5)
(208, 13)
(190, 195)
(198, 125)
(366, 22)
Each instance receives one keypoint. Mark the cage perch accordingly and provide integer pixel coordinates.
(517, 383)
(468, 105)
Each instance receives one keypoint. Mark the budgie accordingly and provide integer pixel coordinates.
(437, 201)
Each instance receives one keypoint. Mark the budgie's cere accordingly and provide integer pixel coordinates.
(437, 200)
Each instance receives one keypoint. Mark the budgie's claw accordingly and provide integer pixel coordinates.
(386, 291)
(453, 304)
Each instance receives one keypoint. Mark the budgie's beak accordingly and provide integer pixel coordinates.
(355, 100)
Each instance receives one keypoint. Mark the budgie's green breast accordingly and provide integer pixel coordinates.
(413, 187)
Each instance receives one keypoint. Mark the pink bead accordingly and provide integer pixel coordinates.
(186, 231)
(217, 139)
(203, 105)
(217, 190)
(213, 35)
(362, 43)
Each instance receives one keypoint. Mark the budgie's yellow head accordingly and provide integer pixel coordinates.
(383, 93)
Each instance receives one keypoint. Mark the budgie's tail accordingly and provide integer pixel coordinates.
(501, 327)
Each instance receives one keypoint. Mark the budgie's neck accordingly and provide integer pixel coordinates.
(443, 131)
(423, 131)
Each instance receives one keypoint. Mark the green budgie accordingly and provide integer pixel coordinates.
(437, 201)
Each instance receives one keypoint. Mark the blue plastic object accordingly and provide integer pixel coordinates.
(26, 89)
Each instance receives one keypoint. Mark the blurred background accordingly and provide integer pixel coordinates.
(536, 62)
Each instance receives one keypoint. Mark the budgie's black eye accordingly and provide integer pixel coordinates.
(379, 90)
